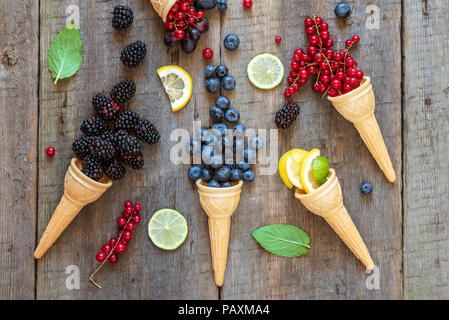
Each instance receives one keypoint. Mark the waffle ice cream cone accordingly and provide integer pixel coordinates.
(162, 7)
(357, 106)
(219, 205)
(79, 190)
(327, 202)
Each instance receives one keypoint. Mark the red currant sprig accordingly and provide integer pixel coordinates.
(182, 17)
(115, 246)
(336, 71)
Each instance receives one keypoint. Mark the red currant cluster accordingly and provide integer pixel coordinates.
(127, 221)
(181, 17)
(337, 72)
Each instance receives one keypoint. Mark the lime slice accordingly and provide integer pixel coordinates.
(178, 85)
(265, 71)
(320, 168)
(168, 229)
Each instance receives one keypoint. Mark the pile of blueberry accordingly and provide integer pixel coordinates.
(218, 77)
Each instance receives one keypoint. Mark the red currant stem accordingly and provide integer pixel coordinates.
(91, 278)
(317, 31)
(324, 94)
(318, 77)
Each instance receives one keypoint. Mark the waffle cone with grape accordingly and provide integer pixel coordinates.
(79, 191)
(219, 205)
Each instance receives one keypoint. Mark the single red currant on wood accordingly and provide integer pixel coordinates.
(50, 151)
(278, 39)
(247, 3)
(208, 53)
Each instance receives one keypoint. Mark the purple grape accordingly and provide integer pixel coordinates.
(170, 39)
(188, 45)
(194, 34)
(203, 25)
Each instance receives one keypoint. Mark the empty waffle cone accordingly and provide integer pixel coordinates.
(358, 106)
(327, 202)
(162, 7)
(79, 190)
(219, 204)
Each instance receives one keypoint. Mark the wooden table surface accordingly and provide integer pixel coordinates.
(405, 224)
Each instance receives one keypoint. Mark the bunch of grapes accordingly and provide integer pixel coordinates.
(336, 71)
(184, 26)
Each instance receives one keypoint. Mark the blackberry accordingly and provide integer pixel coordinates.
(286, 116)
(122, 18)
(106, 108)
(114, 170)
(81, 147)
(94, 126)
(126, 120)
(123, 91)
(108, 135)
(134, 162)
(126, 144)
(92, 168)
(147, 132)
(133, 54)
(101, 149)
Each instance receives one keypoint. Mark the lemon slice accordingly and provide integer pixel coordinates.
(168, 229)
(265, 71)
(293, 173)
(297, 156)
(178, 85)
(306, 173)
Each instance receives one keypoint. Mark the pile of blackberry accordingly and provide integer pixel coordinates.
(226, 155)
(111, 140)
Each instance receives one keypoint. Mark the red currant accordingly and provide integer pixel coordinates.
(278, 39)
(137, 207)
(106, 248)
(360, 74)
(348, 43)
(170, 17)
(180, 34)
(287, 94)
(191, 20)
(200, 14)
(308, 22)
(180, 15)
(340, 75)
(192, 11)
(127, 235)
(314, 40)
(101, 256)
(175, 8)
(294, 66)
(355, 38)
(208, 53)
(170, 26)
(113, 258)
(121, 221)
(318, 20)
(137, 219)
(324, 35)
(120, 248)
(127, 213)
(328, 43)
(332, 92)
(247, 3)
(50, 151)
(185, 6)
(112, 242)
(310, 30)
(319, 57)
(128, 204)
(336, 84)
(323, 26)
(130, 226)
(123, 241)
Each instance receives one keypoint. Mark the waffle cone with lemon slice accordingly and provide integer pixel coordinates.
(162, 7)
(358, 106)
(219, 204)
(324, 198)
(79, 190)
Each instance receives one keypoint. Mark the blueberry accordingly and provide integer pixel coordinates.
(232, 115)
(194, 173)
(226, 184)
(236, 175)
(205, 4)
(231, 42)
(209, 72)
(249, 176)
(366, 188)
(250, 155)
(221, 127)
(206, 175)
(194, 147)
(207, 154)
(212, 85)
(239, 130)
(228, 83)
(256, 142)
(223, 102)
(223, 174)
(342, 10)
(216, 162)
(213, 184)
(216, 113)
(222, 5)
(212, 138)
(244, 166)
(221, 71)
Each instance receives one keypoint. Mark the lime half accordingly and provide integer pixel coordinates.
(320, 169)
(265, 71)
(168, 229)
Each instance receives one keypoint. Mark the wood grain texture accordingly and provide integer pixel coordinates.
(18, 135)
(144, 272)
(329, 271)
(426, 158)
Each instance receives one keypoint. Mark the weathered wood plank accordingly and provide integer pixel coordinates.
(18, 135)
(329, 270)
(144, 272)
(426, 158)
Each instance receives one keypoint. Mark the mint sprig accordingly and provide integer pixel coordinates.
(64, 57)
(283, 240)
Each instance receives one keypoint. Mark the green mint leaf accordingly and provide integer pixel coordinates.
(64, 57)
(283, 240)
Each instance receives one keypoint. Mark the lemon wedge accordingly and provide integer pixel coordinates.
(289, 167)
(178, 85)
(306, 173)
